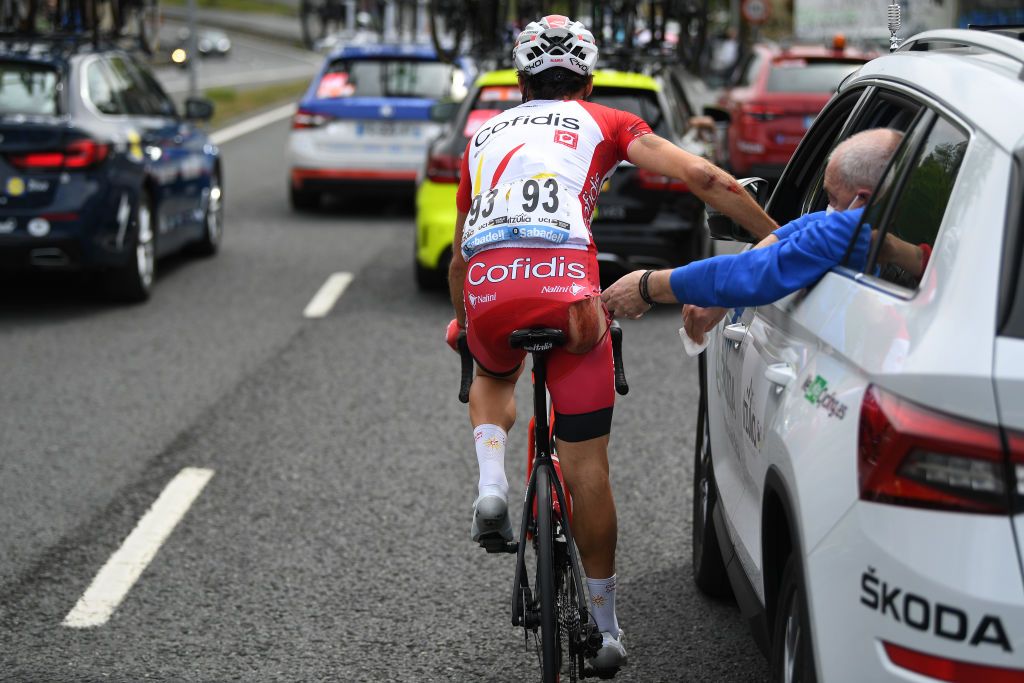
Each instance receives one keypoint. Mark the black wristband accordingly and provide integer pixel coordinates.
(644, 294)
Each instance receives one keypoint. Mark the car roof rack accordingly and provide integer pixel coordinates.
(982, 40)
(64, 43)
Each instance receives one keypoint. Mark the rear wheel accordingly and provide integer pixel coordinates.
(133, 282)
(545, 589)
(708, 569)
(792, 651)
(213, 220)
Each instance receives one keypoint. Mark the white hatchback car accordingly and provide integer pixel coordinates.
(859, 474)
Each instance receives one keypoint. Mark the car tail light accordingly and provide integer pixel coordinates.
(655, 181)
(760, 112)
(81, 153)
(443, 168)
(909, 455)
(952, 670)
(304, 118)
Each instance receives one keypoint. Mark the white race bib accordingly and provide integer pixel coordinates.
(531, 209)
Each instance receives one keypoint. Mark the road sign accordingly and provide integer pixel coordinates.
(755, 11)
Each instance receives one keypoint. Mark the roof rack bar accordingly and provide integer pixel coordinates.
(983, 41)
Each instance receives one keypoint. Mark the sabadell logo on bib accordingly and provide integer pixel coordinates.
(525, 269)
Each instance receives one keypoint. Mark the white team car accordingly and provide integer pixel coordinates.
(859, 474)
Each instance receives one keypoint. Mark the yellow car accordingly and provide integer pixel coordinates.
(642, 219)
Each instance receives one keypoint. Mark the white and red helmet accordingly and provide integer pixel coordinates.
(554, 41)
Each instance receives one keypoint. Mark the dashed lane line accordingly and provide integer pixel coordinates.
(249, 125)
(124, 567)
(323, 301)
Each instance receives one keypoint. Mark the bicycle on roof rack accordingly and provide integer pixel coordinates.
(376, 19)
(96, 20)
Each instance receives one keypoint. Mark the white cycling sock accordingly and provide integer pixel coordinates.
(602, 604)
(490, 454)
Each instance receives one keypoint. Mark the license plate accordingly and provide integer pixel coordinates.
(388, 129)
(612, 212)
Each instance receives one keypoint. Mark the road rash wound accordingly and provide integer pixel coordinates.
(586, 325)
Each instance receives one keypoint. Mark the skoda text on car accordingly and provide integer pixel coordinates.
(365, 119)
(642, 219)
(860, 450)
(98, 169)
(777, 94)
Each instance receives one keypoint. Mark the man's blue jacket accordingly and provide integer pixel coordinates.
(808, 247)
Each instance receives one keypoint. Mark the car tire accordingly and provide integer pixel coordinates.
(708, 568)
(430, 279)
(792, 659)
(133, 282)
(304, 200)
(213, 220)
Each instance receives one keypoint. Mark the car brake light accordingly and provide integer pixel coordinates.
(760, 112)
(655, 181)
(443, 168)
(81, 153)
(304, 118)
(909, 455)
(951, 670)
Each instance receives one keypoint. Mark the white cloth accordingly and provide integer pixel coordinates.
(691, 347)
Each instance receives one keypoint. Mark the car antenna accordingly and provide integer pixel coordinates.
(893, 11)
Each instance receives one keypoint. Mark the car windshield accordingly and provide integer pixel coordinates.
(494, 99)
(28, 88)
(806, 76)
(386, 78)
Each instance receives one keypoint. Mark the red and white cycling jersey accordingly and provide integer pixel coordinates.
(531, 176)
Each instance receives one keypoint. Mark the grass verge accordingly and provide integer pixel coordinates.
(232, 103)
(254, 6)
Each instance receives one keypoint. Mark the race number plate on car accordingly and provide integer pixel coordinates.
(532, 208)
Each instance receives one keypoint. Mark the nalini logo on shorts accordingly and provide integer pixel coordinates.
(567, 138)
(573, 289)
(526, 269)
(482, 299)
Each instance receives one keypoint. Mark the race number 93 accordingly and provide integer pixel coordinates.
(529, 196)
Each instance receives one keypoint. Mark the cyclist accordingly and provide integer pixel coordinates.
(530, 180)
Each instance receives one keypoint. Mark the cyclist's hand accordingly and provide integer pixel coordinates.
(451, 335)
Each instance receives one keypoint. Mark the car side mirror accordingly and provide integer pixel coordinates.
(198, 109)
(721, 227)
(719, 114)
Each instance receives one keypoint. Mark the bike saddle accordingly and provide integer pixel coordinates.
(536, 339)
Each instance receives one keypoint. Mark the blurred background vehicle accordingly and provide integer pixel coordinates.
(100, 171)
(365, 119)
(210, 42)
(642, 219)
(774, 95)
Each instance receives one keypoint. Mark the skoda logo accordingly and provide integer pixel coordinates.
(387, 111)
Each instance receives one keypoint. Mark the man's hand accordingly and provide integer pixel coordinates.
(451, 335)
(622, 298)
(699, 321)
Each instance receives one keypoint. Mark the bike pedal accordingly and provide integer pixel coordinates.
(496, 544)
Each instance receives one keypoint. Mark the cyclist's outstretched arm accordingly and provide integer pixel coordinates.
(713, 185)
(457, 271)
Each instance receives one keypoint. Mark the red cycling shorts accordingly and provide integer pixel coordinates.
(509, 288)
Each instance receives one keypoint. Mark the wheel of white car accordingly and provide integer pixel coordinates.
(792, 651)
(708, 568)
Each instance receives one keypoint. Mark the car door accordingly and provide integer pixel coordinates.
(163, 146)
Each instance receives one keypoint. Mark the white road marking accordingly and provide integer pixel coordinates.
(322, 303)
(124, 567)
(249, 125)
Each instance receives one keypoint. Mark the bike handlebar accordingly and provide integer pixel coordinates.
(467, 367)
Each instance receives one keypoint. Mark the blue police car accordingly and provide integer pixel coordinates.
(98, 171)
(365, 121)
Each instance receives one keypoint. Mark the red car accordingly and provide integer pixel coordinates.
(775, 95)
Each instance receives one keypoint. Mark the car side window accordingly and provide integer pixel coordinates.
(158, 101)
(99, 90)
(127, 89)
(918, 206)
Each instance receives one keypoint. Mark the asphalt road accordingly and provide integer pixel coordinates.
(332, 541)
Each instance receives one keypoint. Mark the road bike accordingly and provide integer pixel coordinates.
(552, 601)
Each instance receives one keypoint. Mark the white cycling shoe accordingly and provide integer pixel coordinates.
(491, 523)
(611, 657)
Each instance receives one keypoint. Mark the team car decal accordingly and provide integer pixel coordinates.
(922, 614)
(816, 392)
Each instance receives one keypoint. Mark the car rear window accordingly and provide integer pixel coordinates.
(808, 76)
(27, 88)
(386, 78)
(492, 100)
